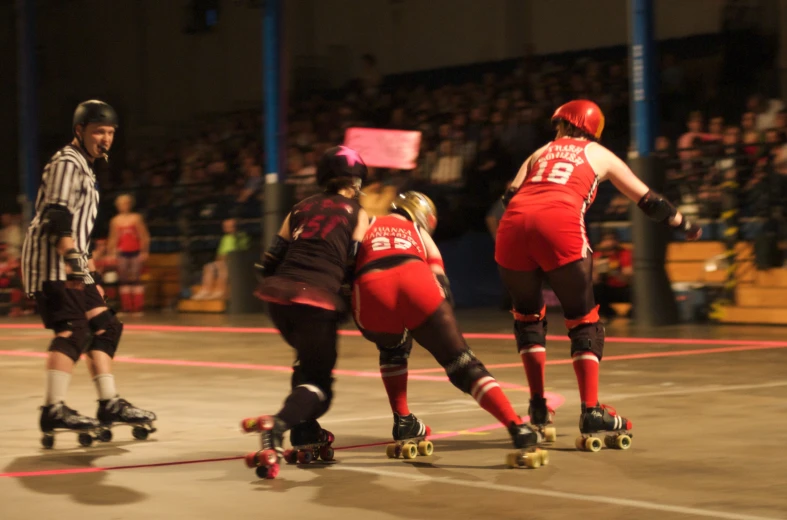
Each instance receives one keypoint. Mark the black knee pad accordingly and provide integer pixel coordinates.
(529, 333)
(72, 346)
(108, 340)
(465, 370)
(398, 353)
(588, 337)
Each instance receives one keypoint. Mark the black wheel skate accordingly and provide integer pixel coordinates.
(266, 460)
(541, 416)
(601, 419)
(309, 443)
(410, 436)
(119, 412)
(526, 441)
(59, 418)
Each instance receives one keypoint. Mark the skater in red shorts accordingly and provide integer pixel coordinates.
(401, 293)
(542, 235)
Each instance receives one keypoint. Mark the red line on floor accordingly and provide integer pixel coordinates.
(469, 335)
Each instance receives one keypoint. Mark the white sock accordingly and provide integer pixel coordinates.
(105, 384)
(57, 383)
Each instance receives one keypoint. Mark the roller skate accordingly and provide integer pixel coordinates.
(266, 460)
(542, 415)
(526, 440)
(59, 418)
(309, 443)
(410, 436)
(119, 412)
(599, 419)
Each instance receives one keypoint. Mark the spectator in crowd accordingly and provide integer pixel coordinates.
(11, 235)
(215, 274)
(612, 271)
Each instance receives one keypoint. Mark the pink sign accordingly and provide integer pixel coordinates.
(385, 148)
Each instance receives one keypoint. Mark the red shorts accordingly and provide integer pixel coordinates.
(529, 238)
(395, 299)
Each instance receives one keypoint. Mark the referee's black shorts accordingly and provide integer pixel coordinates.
(58, 304)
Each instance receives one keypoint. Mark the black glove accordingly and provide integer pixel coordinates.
(96, 276)
(508, 195)
(74, 260)
(690, 228)
(446, 286)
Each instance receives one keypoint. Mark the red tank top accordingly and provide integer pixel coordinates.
(128, 239)
(390, 236)
(560, 176)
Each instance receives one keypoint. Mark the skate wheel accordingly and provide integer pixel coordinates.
(425, 448)
(513, 460)
(579, 443)
(105, 435)
(268, 472)
(533, 460)
(249, 425)
(409, 451)
(544, 455)
(305, 457)
(623, 442)
(593, 444)
(268, 457)
(326, 453)
(48, 441)
(550, 434)
(290, 456)
(391, 451)
(251, 459)
(139, 433)
(85, 439)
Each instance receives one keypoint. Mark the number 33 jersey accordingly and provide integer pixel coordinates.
(322, 228)
(390, 236)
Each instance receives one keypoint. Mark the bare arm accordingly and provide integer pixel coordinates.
(284, 231)
(491, 225)
(362, 227)
(433, 255)
(144, 236)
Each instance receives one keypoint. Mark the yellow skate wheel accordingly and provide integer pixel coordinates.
(390, 451)
(544, 455)
(623, 442)
(425, 448)
(550, 434)
(513, 460)
(533, 460)
(409, 451)
(593, 444)
(580, 443)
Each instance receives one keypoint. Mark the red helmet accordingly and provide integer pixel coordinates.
(583, 114)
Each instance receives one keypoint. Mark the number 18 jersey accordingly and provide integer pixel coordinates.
(560, 176)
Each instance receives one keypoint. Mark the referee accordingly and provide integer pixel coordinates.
(57, 272)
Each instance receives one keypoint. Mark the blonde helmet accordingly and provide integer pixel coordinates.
(418, 208)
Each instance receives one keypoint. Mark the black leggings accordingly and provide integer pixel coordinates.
(572, 283)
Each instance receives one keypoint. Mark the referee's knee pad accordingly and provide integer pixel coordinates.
(530, 330)
(108, 340)
(587, 334)
(465, 370)
(73, 345)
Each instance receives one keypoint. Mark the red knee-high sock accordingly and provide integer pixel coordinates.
(487, 392)
(534, 358)
(139, 301)
(126, 301)
(395, 382)
(586, 369)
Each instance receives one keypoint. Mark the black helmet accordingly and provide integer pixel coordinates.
(340, 161)
(95, 111)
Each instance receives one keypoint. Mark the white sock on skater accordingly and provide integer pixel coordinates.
(57, 383)
(105, 385)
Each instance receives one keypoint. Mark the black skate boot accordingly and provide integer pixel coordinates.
(118, 411)
(410, 434)
(309, 442)
(266, 460)
(599, 419)
(58, 418)
(541, 416)
(526, 441)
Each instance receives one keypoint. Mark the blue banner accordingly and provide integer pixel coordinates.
(271, 83)
(643, 67)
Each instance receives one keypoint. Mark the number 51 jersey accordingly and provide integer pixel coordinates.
(322, 227)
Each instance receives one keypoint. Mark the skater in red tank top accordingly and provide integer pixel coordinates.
(401, 293)
(129, 242)
(542, 236)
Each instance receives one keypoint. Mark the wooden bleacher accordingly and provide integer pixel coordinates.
(162, 280)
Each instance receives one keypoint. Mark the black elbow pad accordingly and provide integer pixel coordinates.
(274, 255)
(57, 220)
(657, 207)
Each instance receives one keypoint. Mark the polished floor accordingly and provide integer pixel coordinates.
(709, 407)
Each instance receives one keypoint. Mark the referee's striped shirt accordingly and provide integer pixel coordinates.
(69, 181)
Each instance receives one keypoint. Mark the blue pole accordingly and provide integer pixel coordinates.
(271, 88)
(27, 109)
(643, 93)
